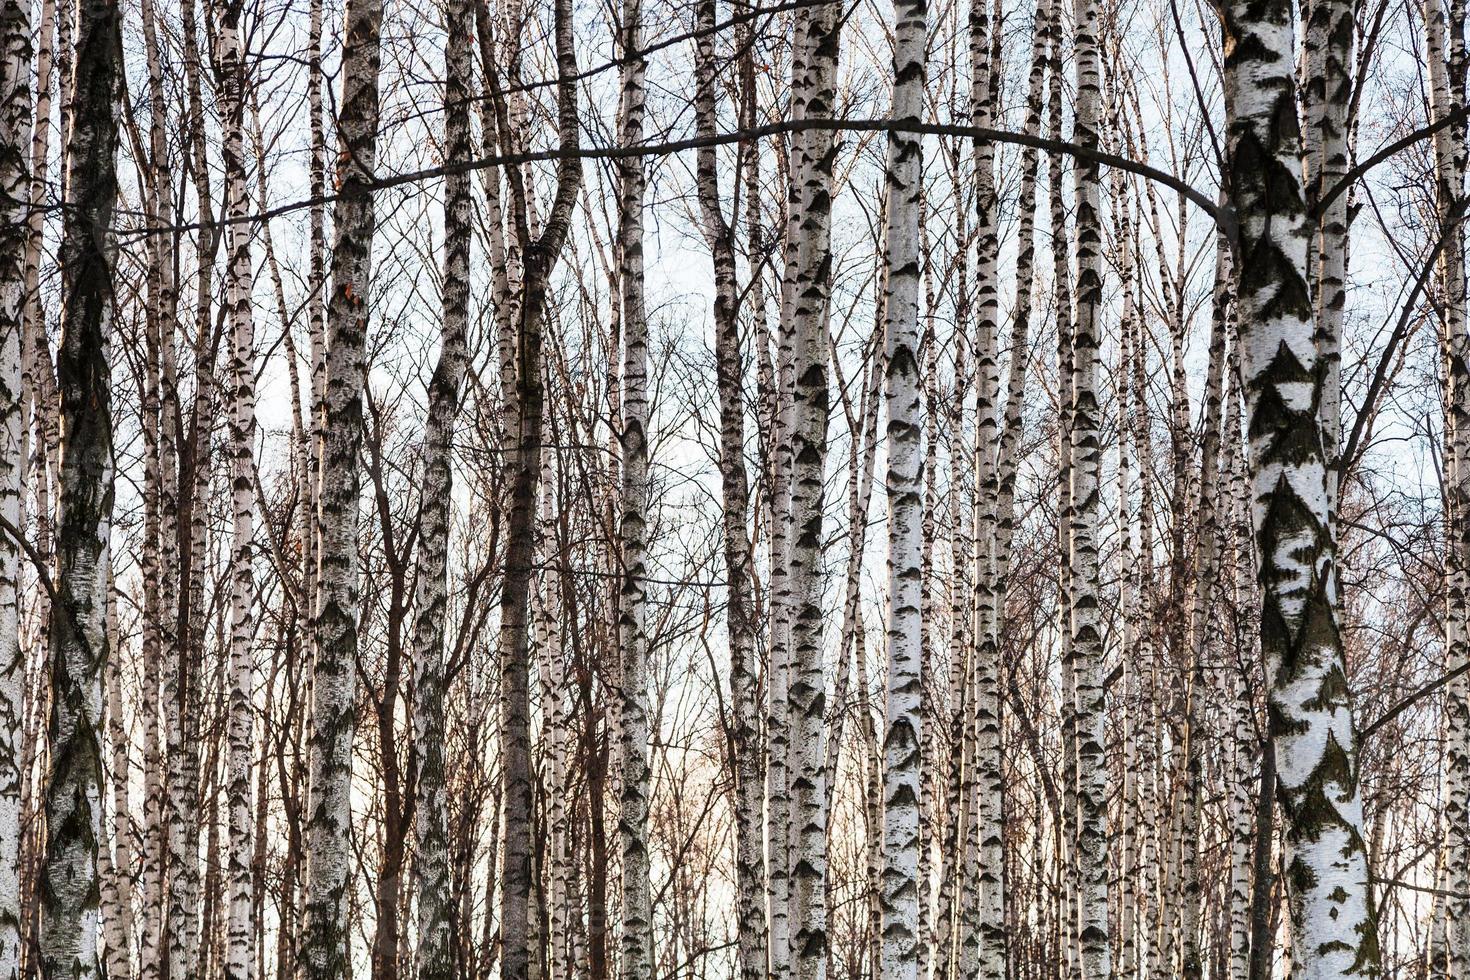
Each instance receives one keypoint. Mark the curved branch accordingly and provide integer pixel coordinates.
(1410, 699)
(1222, 216)
(37, 560)
(1382, 154)
(1352, 449)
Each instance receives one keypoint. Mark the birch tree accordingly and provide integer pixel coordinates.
(438, 919)
(904, 728)
(1451, 953)
(1085, 625)
(813, 86)
(78, 632)
(240, 955)
(324, 949)
(1070, 773)
(15, 67)
(743, 726)
(637, 937)
(1334, 929)
(540, 257)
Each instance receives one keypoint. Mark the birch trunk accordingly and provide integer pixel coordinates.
(316, 310)
(160, 540)
(15, 104)
(78, 640)
(1131, 884)
(1327, 94)
(240, 929)
(118, 912)
(552, 679)
(1086, 627)
(325, 937)
(1243, 741)
(809, 286)
(903, 733)
(954, 815)
(1452, 953)
(983, 937)
(637, 908)
(37, 376)
(1067, 911)
(194, 442)
(1206, 573)
(523, 463)
(743, 729)
(1333, 925)
(437, 914)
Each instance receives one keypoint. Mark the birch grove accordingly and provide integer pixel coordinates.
(687, 490)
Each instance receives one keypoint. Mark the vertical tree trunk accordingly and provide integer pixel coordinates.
(637, 908)
(1245, 747)
(1204, 582)
(15, 104)
(1327, 93)
(194, 445)
(233, 78)
(905, 480)
(742, 727)
(983, 937)
(36, 398)
(118, 908)
(1450, 950)
(524, 465)
(36, 375)
(954, 814)
(160, 538)
(316, 313)
(1150, 793)
(1334, 929)
(437, 915)
(809, 286)
(1086, 627)
(324, 944)
(69, 887)
(1132, 889)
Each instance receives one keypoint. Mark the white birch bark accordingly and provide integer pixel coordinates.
(523, 464)
(905, 480)
(1131, 886)
(953, 813)
(1451, 953)
(316, 310)
(1243, 743)
(15, 102)
(68, 941)
(562, 958)
(1085, 625)
(117, 911)
(155, 494)
(983, 938)
(37, 376)
(193, 442)
(1145, 718)
(743, 732)
(1333, 925)
(809, 283)
(324, 949)
(437, 916)
(633, 503)
(1326, 95)
(239, 957)
(1203, 584)
(1066, 830)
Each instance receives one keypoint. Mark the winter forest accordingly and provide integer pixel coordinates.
(734, 489)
